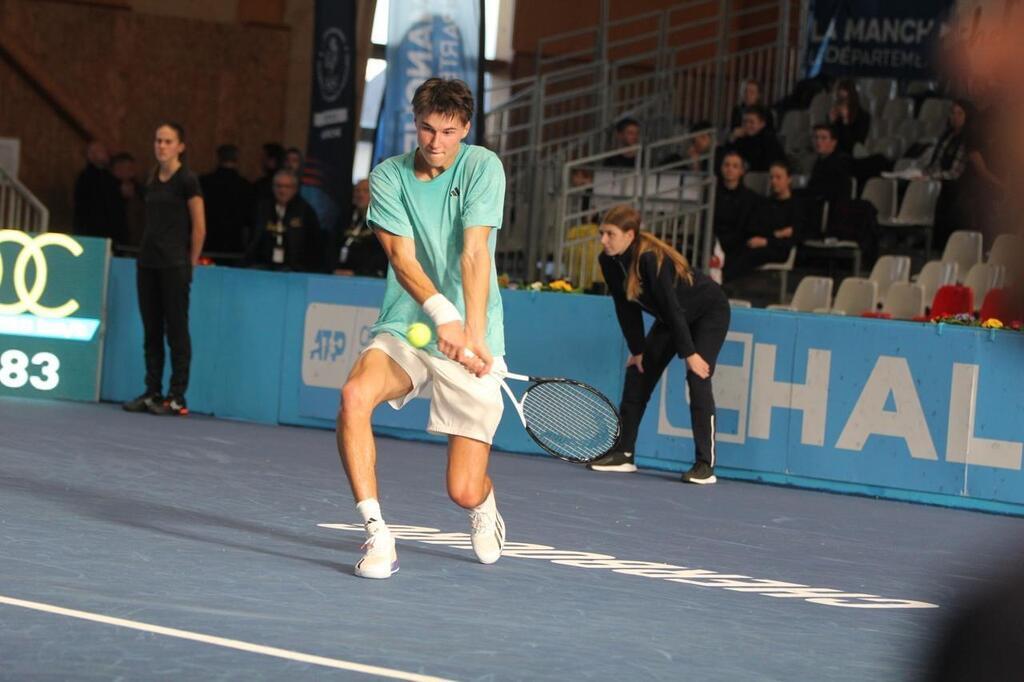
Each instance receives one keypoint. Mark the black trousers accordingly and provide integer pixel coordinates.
(708, 333)
(163, 303)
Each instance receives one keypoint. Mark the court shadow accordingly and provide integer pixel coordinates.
(181, 523)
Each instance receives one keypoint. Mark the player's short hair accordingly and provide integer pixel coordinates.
(759, 111)
(828, 128)
(448, 97)
(732, 151)
(783, 164)
(227, 153)
(625, 123)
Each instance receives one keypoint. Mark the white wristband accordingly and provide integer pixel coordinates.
(440, 310)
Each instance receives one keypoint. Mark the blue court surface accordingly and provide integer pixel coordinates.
(137, 547)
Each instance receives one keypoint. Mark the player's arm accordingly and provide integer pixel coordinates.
(401, 253)
(198, 215)
(476, 282)
(451, 335)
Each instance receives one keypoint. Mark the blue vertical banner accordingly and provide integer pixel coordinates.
(330, 147)
(426, 38)
(875, 38)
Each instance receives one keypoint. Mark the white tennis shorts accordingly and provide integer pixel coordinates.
(461, 404)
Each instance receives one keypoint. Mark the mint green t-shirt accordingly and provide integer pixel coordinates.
(434, 213)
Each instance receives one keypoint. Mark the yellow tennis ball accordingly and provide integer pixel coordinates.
(418, 334)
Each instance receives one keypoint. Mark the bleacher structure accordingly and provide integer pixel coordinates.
(19, 208)
(667, 69)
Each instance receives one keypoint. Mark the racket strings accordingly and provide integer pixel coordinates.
(570, 419)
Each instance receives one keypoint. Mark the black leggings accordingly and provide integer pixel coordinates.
(708, 333)
(163, 303)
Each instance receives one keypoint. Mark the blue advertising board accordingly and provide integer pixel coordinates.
(903, 410)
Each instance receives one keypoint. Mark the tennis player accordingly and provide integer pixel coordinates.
(436, 211)
(691, 319)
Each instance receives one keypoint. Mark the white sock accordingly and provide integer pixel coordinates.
(488, 504)
(369, 509)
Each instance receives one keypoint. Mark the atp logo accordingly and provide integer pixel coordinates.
(28, 297)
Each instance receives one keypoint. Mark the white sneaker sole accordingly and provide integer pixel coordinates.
(620, 468)
(701, 481)
(500, 529)
(379, 572)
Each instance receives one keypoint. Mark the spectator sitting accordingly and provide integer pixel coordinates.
(582, 201)
(98, 206)
(850, 122)
(700, 145)
(948, 163)
(360, 252)
(287, 232)
(123, 167)
(735, 205)
(272, 161)
(776, 229)
(627, 134)
(229, 204)
(831, 176)
(293, 160)
(750, 97)
(758, 144)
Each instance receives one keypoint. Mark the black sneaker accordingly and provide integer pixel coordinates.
(700, 473)
(143, 403)
(172, 406)
(614, 461)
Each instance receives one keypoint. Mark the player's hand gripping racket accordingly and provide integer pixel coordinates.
(569, 419)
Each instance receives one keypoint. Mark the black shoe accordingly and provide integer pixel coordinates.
(700, 473)
(614, 461)
(174, 405)
(143, 403)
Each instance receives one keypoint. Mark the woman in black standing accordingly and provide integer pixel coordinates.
(171, 244)
(691, 318)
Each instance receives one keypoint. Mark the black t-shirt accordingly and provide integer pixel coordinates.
(168, 234)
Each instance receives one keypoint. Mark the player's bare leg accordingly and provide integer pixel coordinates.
(374, 379)
(470, 487)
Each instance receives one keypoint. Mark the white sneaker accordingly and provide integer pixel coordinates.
(488, 534)
(380, 559)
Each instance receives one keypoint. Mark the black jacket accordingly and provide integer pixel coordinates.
(98, 208)
(831, 178)
(761, 150)
(299, 233)
(229, 199)
(735, 210)
(674, 302)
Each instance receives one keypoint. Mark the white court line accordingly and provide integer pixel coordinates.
(222, 641)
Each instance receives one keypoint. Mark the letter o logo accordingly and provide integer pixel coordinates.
(32, 250)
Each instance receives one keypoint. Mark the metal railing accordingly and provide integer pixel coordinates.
(19, 208)
(674, 193)
(684, 64)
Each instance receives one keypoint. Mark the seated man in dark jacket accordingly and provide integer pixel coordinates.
(286, 232)
(359, 252)
(778, 226)
(758, 143)
(832, 176)
(735, 205)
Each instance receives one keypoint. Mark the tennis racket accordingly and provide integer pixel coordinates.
(569, 419)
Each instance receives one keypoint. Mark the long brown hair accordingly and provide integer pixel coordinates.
(627, 219)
